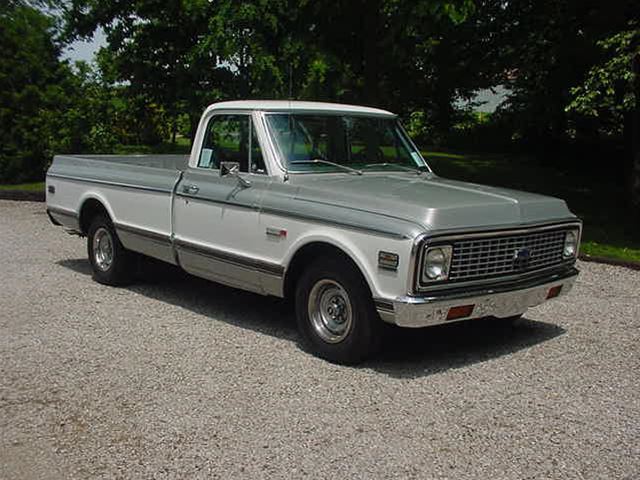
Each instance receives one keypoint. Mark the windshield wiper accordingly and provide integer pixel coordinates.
(417, 170)
(326, 162)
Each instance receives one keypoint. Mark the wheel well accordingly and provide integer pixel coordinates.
(308, 254)
(90, 209)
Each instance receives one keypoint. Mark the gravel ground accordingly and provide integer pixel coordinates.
(179, 378)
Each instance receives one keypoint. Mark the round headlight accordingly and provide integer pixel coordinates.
(570, 244)
(435, 263)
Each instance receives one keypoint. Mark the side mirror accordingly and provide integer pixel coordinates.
(232, 169)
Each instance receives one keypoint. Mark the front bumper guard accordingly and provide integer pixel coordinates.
(497, 301)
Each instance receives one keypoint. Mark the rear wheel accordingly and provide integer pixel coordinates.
(111, 263)
(335, 313)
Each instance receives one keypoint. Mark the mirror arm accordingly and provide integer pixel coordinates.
(232, 169)
(242, 181)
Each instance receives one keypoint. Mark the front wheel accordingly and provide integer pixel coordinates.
(111, 263)
(335, 312)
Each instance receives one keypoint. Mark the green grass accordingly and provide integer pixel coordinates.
(608, 231)
(182, 146)
(30, 187)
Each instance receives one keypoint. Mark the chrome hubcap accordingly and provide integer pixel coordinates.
(103, 249)
(330, 311)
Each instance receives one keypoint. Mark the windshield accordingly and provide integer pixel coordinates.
(328, 143)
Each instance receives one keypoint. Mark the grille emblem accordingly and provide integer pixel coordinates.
(521, 259)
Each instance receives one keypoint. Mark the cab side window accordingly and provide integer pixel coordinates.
(231, 138)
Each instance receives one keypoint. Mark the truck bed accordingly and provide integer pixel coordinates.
(137, 188)
(149, 172)
(168, 162)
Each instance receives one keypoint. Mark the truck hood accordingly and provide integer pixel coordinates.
(432, 202)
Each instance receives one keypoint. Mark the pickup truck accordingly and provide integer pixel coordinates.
(330, 205)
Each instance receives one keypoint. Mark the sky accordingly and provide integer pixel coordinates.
(85, 50)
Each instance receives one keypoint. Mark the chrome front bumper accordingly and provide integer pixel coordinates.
(496, 301)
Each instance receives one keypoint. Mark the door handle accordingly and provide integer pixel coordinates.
(193, 189)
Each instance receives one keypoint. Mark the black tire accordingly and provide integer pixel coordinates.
(120, 270)
(363, 336)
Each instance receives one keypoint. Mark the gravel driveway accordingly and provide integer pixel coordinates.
(179, 378)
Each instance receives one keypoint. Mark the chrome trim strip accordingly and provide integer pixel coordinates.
(426, 239)
(153, 236)
(509, 230)
(172, 215)
(62, 211)
(109, 183)
(382, 304)
(238, 260)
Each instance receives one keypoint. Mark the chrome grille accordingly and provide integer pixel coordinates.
(494, 256)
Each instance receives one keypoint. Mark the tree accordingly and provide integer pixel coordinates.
(34, 87)
(608, 97)
(185, 54)
(545, 48)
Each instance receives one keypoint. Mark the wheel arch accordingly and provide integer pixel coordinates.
(90, 207)
(305, 254)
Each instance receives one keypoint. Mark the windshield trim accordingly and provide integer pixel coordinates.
(282, 164)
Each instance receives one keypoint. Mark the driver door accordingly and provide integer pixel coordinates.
(216, 219)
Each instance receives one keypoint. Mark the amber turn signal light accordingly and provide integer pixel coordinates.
(460, 312)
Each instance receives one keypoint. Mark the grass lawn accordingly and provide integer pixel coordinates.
(30, 187)
(182, 146)
(607, 232)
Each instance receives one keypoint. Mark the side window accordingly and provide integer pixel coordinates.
(230, 138)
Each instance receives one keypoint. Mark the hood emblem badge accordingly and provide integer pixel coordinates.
(521, 259)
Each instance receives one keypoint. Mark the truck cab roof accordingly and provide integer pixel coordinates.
(298, 106)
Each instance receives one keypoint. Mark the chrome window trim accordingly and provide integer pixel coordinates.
(252, 124)
(277, 155)
(427, 239)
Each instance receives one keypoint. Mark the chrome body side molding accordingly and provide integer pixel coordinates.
(234, 270)
(153, 244)
(68, 219)
(245, 262)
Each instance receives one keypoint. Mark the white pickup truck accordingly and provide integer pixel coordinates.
(330, 205)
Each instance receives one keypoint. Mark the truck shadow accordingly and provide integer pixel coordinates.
(412, 353)
(407, 353)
